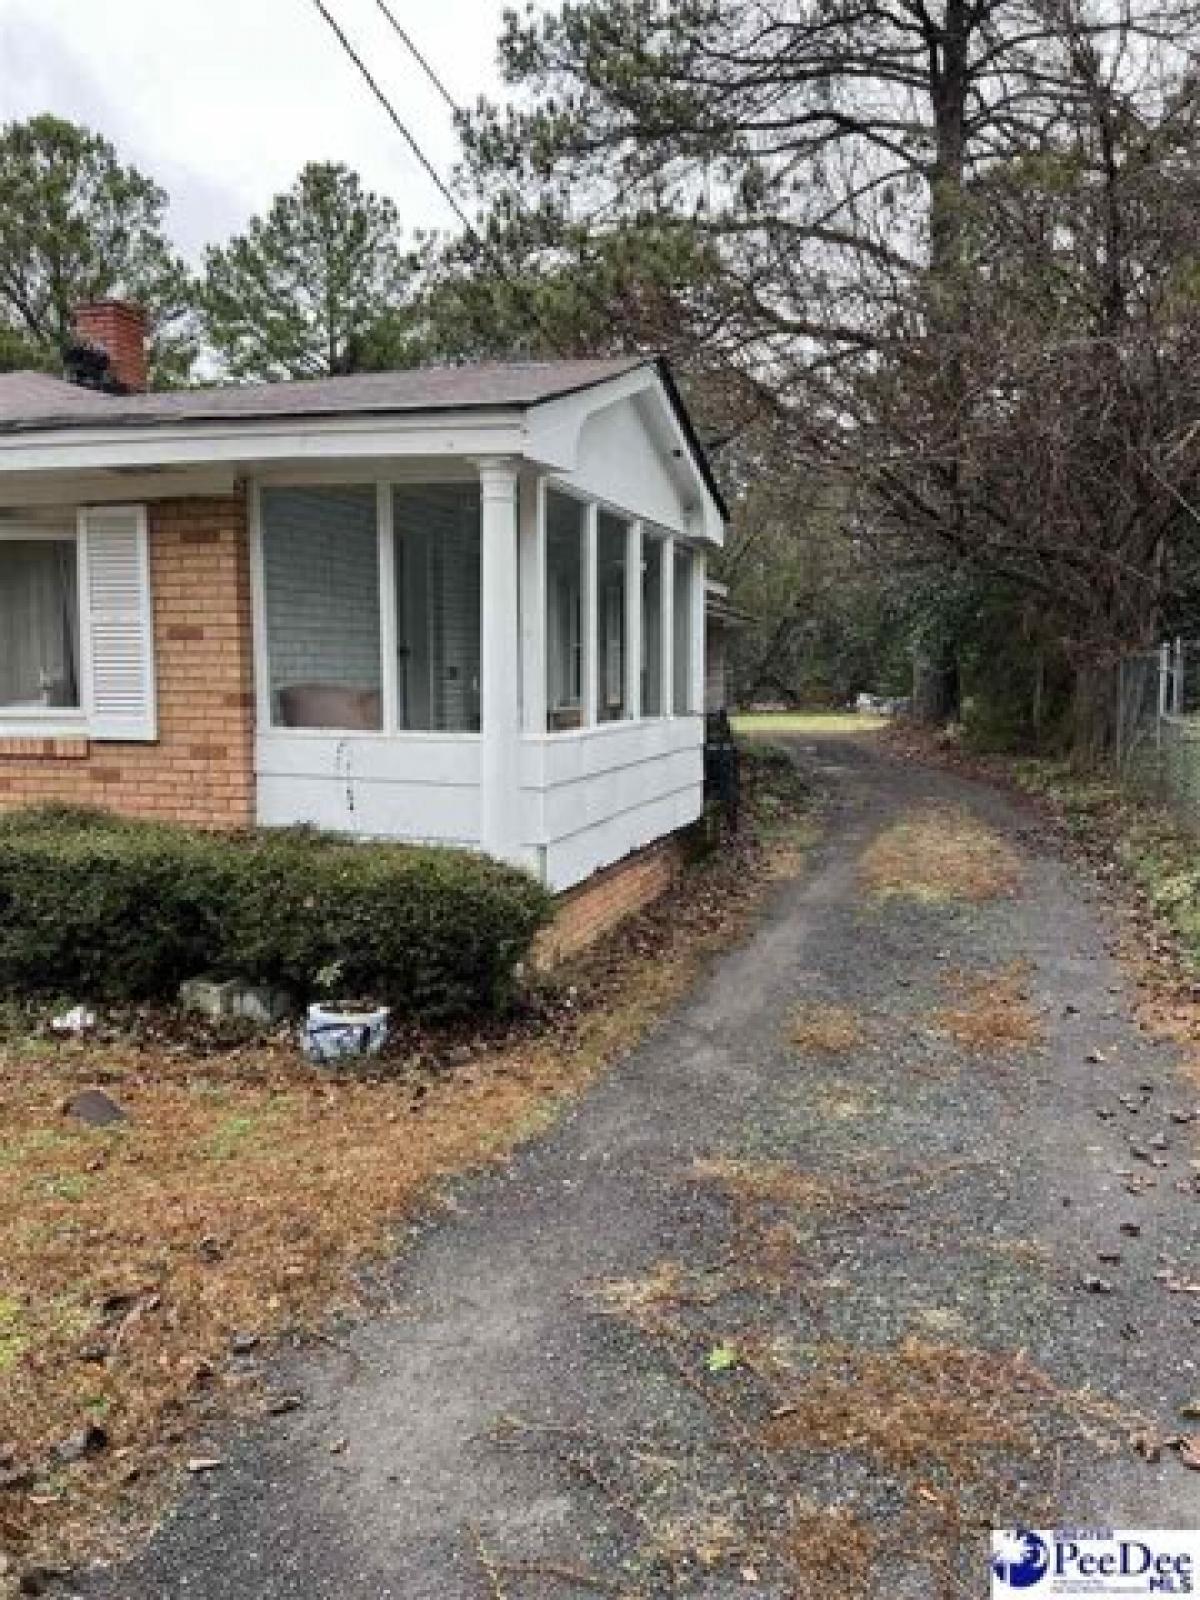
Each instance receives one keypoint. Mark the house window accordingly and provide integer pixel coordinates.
(564, 612)
(610, 618)
(39, 625)
(437, 532)
(320, 552)
(684, 577)
(652, 622)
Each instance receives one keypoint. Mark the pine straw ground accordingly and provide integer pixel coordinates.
(990, 1011)
(939, 853)
(816, 1028)
(248, 1192)
(941, 1432)
(1141, 855)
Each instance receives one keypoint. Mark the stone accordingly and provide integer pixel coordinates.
(88, 1441)
(95, 1109)
(278, 1405)
(235, 998)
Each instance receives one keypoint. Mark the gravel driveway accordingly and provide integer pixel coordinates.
(756, 1320)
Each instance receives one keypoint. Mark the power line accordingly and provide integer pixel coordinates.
(421, 60)
(522, 207)
(443, 188)
(497, 262)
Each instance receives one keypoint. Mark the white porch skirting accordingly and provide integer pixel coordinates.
(587, 798)
(592, 797)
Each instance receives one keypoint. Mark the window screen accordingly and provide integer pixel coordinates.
(684, 574)
(652, 620)
(321, 577)
(564, 623)
(610, 619)
(438, 606)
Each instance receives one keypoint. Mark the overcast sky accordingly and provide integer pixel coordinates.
(222, 101)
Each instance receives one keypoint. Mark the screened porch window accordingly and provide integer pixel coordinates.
(39, 624)
(684, 575)
(321, 580)
(438, 621)
(610, 618)
(652, 621)
(564, 612)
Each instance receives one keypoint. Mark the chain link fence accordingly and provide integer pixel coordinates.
(1158, 725)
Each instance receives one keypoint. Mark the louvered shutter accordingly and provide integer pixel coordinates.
(118, 625)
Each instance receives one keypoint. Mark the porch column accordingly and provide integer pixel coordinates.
(500, 749)
(696, 667)
(667, 665)
(633, 621)
(533, 604)
(588, 624)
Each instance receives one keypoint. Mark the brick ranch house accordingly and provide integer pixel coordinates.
(458, 605)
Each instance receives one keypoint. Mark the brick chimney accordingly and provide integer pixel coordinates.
(118, 327)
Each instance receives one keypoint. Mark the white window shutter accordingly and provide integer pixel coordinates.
(117, 632)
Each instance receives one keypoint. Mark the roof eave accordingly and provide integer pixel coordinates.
(491, 430)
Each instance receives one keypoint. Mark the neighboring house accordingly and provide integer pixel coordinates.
(462, 605)
(721, 619)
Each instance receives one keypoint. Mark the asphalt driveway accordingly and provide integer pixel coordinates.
(765, 1319)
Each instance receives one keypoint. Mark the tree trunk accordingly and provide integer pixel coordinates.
(1093, 714)
(936, 693)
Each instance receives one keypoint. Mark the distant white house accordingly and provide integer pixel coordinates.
(721, 620)
(462, 605)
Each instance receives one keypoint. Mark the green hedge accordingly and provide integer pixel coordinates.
(102, 909)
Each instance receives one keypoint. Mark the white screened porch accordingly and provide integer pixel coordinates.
(481, 654)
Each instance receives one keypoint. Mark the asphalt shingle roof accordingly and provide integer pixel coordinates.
(32, 400)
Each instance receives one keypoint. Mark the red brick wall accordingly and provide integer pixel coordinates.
(585, 913)
(201, 770)
(120, 328)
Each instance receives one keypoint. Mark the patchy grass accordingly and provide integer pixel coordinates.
(831, 1551)
(768, 1183)
(938, 854)
(807, 722)
(991, 1010)
(129, 1259)
(246, 1192)
(13, 1339)
(817, 1029)
(921, 1404)
(905, 1446)
(1152, 857)
(669, 1283)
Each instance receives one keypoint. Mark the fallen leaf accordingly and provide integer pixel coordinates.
(722, 1357)
(1147, 1443)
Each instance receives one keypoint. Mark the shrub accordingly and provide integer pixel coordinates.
(114, 910)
